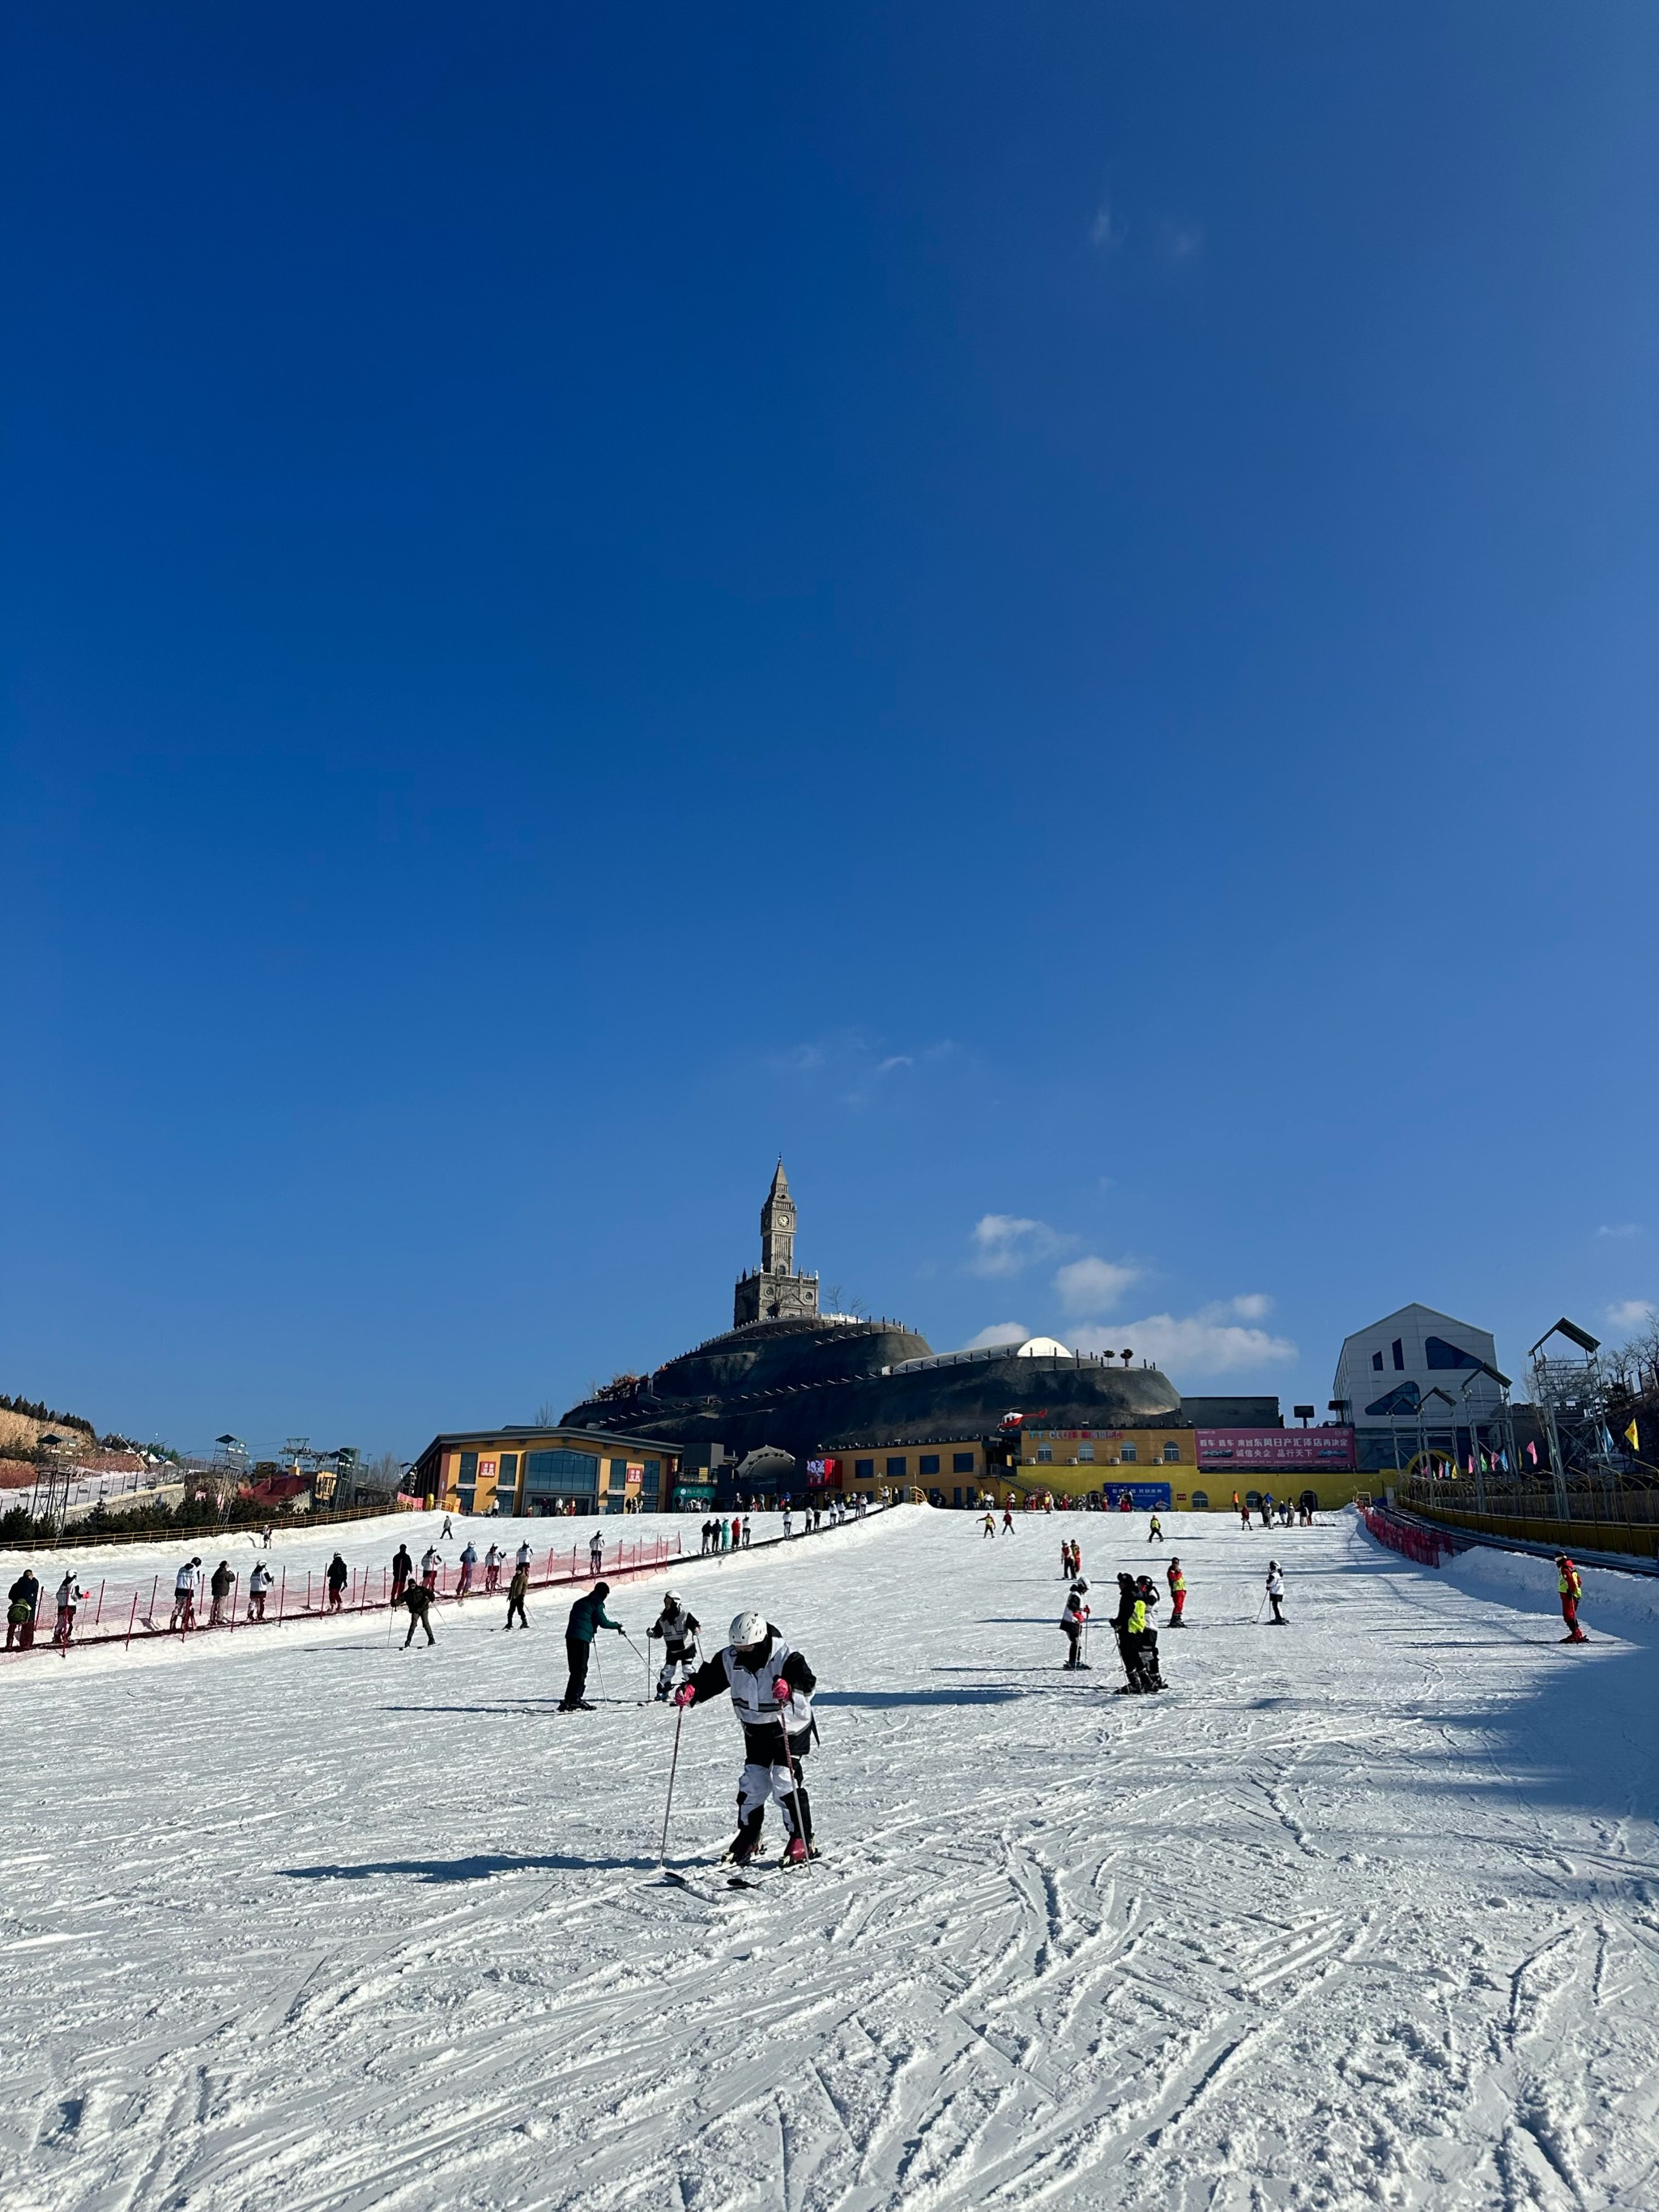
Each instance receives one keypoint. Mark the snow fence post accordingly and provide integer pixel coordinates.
(99, 1614)
(132, 1617)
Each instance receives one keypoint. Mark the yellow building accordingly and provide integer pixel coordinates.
(534, 1471)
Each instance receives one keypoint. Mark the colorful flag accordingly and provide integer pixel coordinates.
(1532, 1453)
(1635, 1441)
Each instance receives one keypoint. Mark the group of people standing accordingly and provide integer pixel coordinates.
(723, 1535)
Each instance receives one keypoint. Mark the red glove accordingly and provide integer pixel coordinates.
(685, 1694)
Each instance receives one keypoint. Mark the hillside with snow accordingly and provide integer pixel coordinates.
(1364, 1910)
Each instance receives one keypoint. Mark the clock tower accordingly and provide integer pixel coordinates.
(776, 1292)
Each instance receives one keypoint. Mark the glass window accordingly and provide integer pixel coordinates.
(1200, 1501)
(1402, 1399)
(1399, 1355)
(469, 1468)
(962, 1462)
(653, 1482)
(895, 1467)
(864, 1470)
(1045, 1455)
(1172, 1455)
(563, 1471)
(619, 1474)
(928, 1463)
(1442, 1355)
(1086, 1453)
(1128, 1454)
(1376, 1361)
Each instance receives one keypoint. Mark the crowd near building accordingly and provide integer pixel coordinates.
(794, 1402)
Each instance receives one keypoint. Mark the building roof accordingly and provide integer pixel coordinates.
(529, 1431)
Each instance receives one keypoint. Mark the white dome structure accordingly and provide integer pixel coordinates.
(1043, 1347)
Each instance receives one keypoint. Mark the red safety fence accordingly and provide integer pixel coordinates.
(1429, 1547)
(132, 1612)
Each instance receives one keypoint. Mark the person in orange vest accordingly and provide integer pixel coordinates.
(1571, 1590)
(1177, 1582)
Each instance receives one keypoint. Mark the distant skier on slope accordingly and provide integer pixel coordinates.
(988, 1526)
(186, 1589)
(1570, 1590)
(676, 1628)
(70, 1595)
(338, 1576)
(587, 1617)
(1244, 1512)
(771, 1689)
(515, 1596)
(259, 1586)
(1132, 1623)
(402, 1568)
(493, 1559)
(1073, 1620)
(1155, 1530)
(418, 1598)
(1008, 1518)
(1177, 1582)
(431, 1568)
(1276, 1594)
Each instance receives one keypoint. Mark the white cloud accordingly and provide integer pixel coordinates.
(895, 1059)
(1004, 1243)
(1213, 1341)
(1631, 1313)
(1108, 231)
(1181, 239)
(1000, 1332)
(1620, 1229)
(1254, 1305)
(1093, 1285)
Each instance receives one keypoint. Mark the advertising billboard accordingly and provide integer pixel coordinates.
(1272, 1451)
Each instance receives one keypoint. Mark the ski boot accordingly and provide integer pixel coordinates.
(741, 1849)
(796, 1852)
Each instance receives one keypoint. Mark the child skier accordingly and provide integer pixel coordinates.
(1073, 1620)
(1570, 1590)
(1276, 1594)
(1177, 1582)
(771, 1689)
(676, 1627)
(990, 1524)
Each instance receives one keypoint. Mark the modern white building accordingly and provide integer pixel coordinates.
(1414, 1379)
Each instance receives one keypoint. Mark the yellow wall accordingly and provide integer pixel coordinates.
(614, 1456)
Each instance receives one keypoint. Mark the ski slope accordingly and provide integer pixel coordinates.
(1364, 1910)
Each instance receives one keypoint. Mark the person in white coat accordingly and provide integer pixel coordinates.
(1073, 1620)
(259, 1588)
(771, 1689)
(186, 1590)
(1276, 1594)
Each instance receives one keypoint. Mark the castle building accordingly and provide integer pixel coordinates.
(775, 1291)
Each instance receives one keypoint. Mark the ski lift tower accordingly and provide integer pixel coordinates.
(1572, 1396)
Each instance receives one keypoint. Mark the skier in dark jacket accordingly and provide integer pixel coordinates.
(219, 1585)
(515, 1592)
(338, 1576)
(25, 1592)
(771, 1690)
(418, 1598)
(402, 1567)
(587, 1617)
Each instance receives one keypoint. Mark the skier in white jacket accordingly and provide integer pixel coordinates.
(1275, 1594)
(771, 1690)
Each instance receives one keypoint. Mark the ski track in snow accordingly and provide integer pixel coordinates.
(1363, 1911)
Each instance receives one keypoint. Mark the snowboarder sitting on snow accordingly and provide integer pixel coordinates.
(1071, 1622)
(676, 1627)
(1570, 1590)
(771, 1688)
(1276, 1593)
(587, 1617)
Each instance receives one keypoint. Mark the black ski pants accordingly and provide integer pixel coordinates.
(1277, 1603)
(516, 1605)
(419, 1617)
(578, 1654)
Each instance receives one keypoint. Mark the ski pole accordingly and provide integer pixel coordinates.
(794, 1785)
(673, 1768)
(1260, 1610)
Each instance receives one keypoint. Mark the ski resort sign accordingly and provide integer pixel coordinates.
(1268, 1451)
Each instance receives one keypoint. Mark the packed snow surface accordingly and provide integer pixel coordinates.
(1362, 1911)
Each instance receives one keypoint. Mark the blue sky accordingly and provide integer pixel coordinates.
(1050, 612)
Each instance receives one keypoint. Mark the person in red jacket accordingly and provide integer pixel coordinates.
(1177, 1582)
(1571, 1590)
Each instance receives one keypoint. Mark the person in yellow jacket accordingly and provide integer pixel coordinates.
(1571, 1589)
(1177, 1582)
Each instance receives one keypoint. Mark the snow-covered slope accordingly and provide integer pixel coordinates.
(1362, 1911)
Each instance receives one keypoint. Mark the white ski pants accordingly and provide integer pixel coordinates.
(758, 1783)
(683, 1667)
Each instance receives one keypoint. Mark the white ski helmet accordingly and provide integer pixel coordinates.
(748, 1628)
(1080, 1589)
